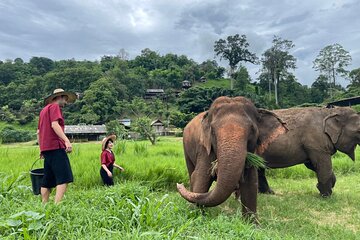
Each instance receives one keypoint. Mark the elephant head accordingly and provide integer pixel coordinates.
(229, 130)
(343, 128)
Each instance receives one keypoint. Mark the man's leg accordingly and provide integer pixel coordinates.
(60, 191)
(45, 194)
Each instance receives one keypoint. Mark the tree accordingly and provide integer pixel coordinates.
(277, 61)
(355, 77)
(319, 89)
(331, 61)
(235, 50)
(114, 127)
(142, 112)
(242, 78)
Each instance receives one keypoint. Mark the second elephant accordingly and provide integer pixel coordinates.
(314, 135)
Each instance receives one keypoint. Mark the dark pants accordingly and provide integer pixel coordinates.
(57, 169)
(108, 181)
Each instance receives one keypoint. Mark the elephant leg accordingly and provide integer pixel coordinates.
(248, 193)
(310, 166)
(190, 165)
(325, 175)
(263, 183)
(201, 178)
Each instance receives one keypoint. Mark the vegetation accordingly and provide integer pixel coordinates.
(115, 86)
(144, 203)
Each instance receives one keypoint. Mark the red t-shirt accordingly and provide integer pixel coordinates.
(49, 140)
(107, 158)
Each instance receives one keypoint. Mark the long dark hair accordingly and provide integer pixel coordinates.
(107, 143)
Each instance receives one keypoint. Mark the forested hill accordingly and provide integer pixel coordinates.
(114, 87)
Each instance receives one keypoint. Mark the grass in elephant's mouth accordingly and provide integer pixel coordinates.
(145, 205)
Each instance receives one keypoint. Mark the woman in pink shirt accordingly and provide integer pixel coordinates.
(108, 161)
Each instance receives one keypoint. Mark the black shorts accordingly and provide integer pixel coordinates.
(108, 181)
(57, 169)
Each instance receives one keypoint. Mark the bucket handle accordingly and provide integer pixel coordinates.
(32, 166)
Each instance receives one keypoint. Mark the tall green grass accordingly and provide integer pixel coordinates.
(144, 203)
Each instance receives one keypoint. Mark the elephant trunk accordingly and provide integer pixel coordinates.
(231, 154)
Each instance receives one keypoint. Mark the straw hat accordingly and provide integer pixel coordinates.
(60, 92)
(104, 141)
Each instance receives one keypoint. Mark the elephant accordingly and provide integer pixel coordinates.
(314, 135)
(226, 132)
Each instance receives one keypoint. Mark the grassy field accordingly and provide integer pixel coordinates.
(144, 203)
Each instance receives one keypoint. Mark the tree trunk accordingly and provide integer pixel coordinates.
(269, 79)
(231, 78)
(276, 88)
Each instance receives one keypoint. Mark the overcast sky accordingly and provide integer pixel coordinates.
(89, 29)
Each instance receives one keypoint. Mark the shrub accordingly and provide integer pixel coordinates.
(10, 135)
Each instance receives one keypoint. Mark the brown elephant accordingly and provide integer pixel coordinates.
(314, 135)
(231, 128)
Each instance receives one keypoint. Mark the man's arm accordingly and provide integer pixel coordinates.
(38, 136)
(58, 130)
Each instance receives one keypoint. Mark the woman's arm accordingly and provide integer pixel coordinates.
(122, 169)
(106, 170)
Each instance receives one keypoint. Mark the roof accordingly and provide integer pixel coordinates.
(76, 129)
(155, 91)
(156, 122)
(345, 102)
(126, 122)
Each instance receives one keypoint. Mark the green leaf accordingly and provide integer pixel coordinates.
(35, 226)
(13, 222)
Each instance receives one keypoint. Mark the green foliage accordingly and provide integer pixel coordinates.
(143, 126)
(179, 119)
(242, 79)
(235, 50)
(277, 61)
(196, 100)
(255, 160)
(114, 127)
(10, 135)
(332, 61)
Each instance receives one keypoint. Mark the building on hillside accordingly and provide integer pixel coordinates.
(203, 79)
(154, 93)
(85, 132)
(186, 84)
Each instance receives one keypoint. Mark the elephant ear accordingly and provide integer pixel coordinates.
(270, 127)
(332, 127)
(205, 136)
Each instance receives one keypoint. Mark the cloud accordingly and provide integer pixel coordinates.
(90, 29)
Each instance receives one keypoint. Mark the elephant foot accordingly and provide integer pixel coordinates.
(251, 218)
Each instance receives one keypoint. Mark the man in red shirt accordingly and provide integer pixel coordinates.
(54, 145)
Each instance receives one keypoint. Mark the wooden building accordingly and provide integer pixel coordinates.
(346, 102)
(85, 132)
(158, 126)
(154, 93)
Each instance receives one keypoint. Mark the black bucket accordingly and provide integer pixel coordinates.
(36, 176)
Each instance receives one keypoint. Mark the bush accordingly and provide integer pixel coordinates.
(10, 135)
